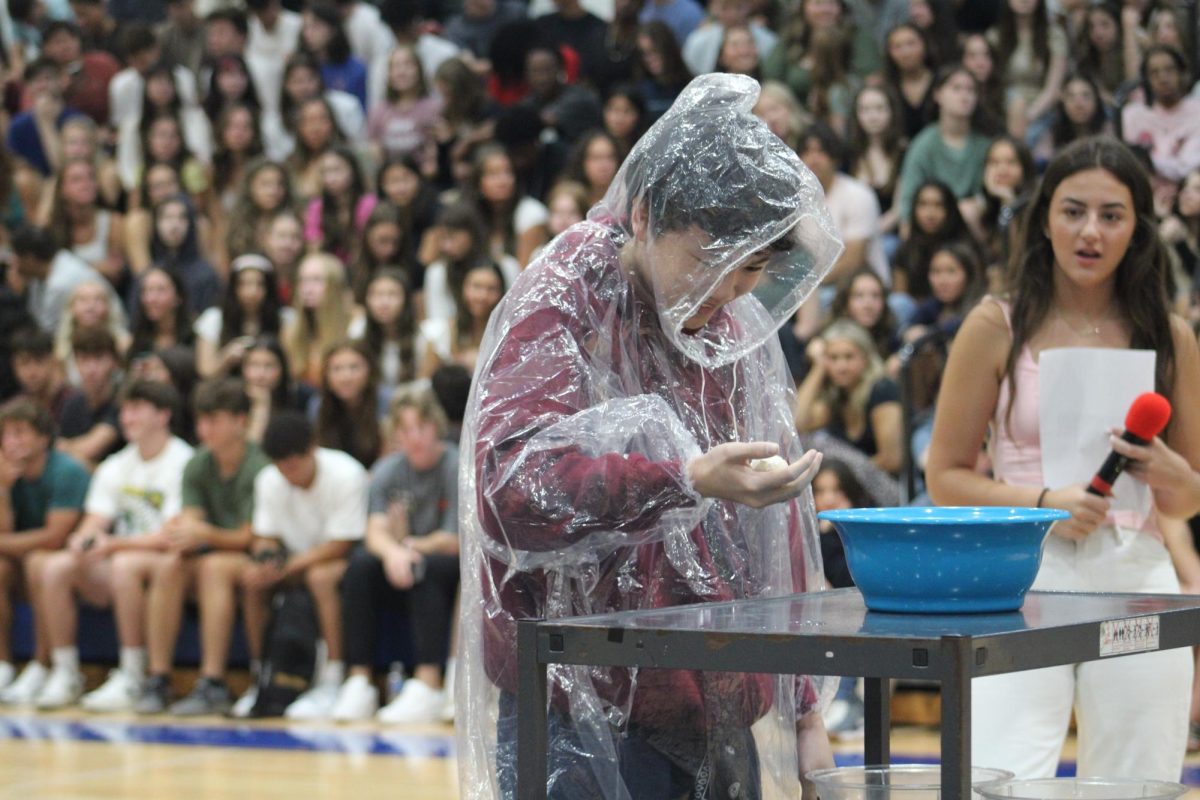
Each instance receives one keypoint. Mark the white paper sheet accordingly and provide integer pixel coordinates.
(1084, 391)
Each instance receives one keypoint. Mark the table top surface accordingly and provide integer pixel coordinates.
(841, 613)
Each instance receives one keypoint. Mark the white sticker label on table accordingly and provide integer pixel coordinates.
(1121, 636)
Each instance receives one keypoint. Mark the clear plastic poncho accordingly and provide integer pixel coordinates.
(590, 397)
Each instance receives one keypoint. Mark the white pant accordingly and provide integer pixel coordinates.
(1131, 711)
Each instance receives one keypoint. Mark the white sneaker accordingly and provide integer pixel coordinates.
(62, 688)
(357, 700)
(7, 673)
(416, 703)
(245, 704)
(119, 693)
(316, 703)
(24, 690)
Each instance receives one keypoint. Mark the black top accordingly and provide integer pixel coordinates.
(885, 390)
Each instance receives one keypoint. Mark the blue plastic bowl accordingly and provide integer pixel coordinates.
(943, 560)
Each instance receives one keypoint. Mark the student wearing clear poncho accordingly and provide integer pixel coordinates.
(624, 386)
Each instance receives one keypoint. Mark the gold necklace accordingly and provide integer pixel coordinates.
(1093, 328)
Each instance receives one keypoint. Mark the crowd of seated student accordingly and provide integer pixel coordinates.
(326, 202)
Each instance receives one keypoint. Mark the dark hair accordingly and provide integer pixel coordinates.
(675, 71)
(282, 396)
(848, 482)
(451, 384)
(416, 216)
(1088, 59)
(1140, 289)
(578, 156)
(33, 342)
(462, 217)
(288, 433)
(289, 108)
(517, 125)
(1041, 36)
(235, 17)
(498, 217)
(20, 10)
(466, 99)
(399, 14)
(57, 26)
(833, 145)
(221, 394)
(1180, 64)
(223, 166)
(93, 342)
(405, 327)
(303, 155)
(893, 142)
(162, 396)
(39, 66)
(137, 37)
(363, 266)
(61, 224)
(913, 256)
(991, 92)
(1063, 132)
(350, 428)
(883, 332)
(968, 258)
(890, 71)
(215, 104)
(34, 414)
(338, 236)
(144, 330)
(463, 323)
(233, 321)
(181, 158)
(244, 221)
(637, 100)
(338, 49)
(151, 113)
(31, 240)
(943, 76)
(188, 253)
(510, 45)
(994, 205)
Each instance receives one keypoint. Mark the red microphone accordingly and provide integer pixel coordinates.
(1146, 418)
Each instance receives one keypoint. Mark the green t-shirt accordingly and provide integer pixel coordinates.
(62, 485)
(929, 157)
(226, 503)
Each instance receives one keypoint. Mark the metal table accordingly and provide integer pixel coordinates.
(832, 633)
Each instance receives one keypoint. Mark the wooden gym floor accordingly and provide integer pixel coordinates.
(70, 755)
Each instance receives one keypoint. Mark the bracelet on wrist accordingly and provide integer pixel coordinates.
(1042, 496)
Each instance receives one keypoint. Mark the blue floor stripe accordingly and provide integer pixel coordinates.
(394, 743)
(325, 740)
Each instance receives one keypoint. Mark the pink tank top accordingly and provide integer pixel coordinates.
(1016, 445)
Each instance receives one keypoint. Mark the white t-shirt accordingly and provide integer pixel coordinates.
(372, 41)
(208, 325)
(334, 508)
(347, 113)
(439, 300)
(126, 88)
(139, 495)
(267, 53)
(855, 210)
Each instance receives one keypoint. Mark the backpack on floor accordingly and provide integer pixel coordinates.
(289, 652)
